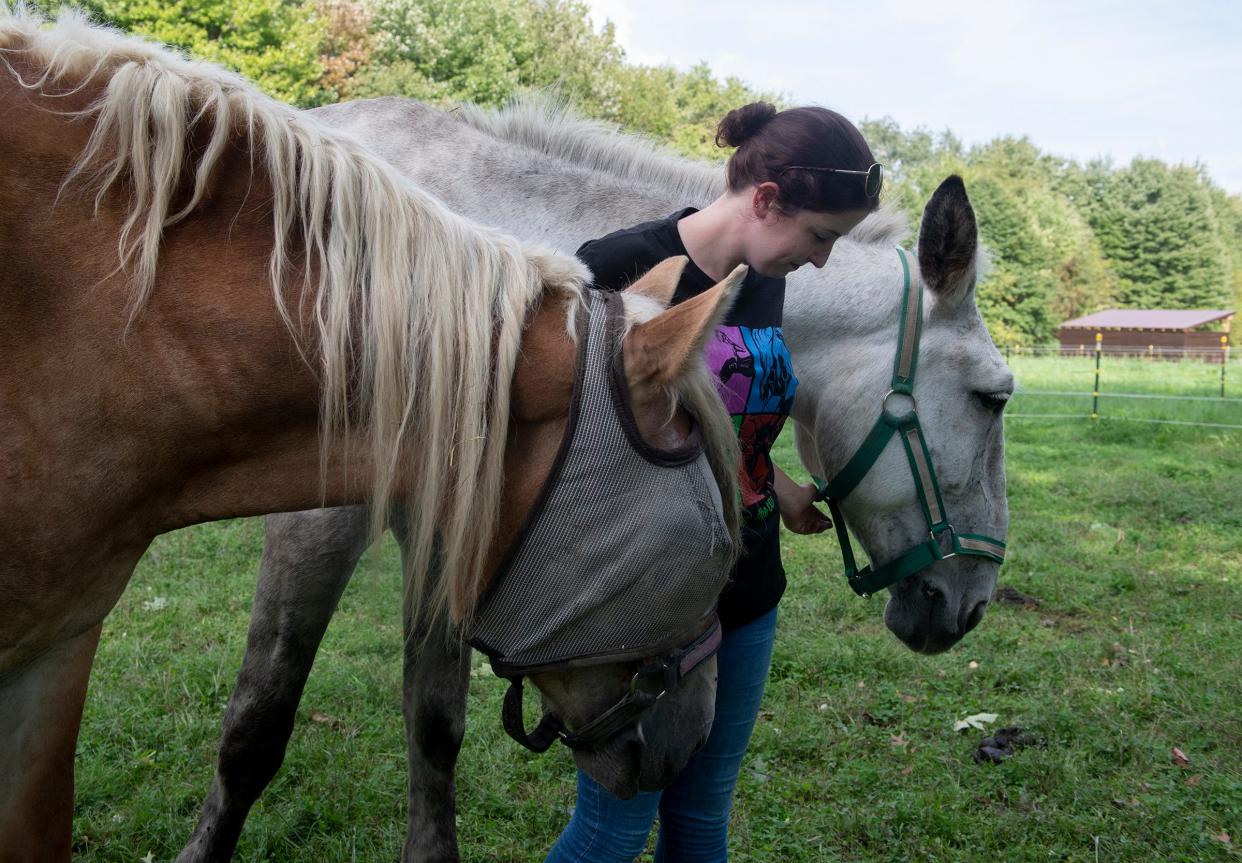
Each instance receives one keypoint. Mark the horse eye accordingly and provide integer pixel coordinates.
(994, 402)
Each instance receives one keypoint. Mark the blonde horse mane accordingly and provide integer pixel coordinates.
(418, 313)
(545, 123)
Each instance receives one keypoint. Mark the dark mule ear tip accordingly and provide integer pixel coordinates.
(950, 200)
(953, 181)
(952, 186)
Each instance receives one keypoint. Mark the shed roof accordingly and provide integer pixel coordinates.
(1148, 319)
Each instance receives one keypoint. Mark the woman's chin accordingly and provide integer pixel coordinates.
(774, 269)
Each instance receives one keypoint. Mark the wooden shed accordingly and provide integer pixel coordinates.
(1156, 332)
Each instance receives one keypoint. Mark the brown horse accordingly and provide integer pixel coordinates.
(212, 306)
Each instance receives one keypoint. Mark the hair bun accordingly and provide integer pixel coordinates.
(740, 124)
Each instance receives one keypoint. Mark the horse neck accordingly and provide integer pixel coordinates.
(541, 395)
(856, 295)
(841, 326)
(527, 192)
(199, 408)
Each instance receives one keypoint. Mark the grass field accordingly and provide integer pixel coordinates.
(1128, 536)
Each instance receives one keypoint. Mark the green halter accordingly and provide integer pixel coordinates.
(898, 416)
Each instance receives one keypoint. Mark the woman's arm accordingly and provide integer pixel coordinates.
(797, 503)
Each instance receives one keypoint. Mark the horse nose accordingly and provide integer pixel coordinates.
(969, 612)
(971, 615)
(931, 614)
(950, 615)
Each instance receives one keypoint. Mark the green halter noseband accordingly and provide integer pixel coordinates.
(898, 416)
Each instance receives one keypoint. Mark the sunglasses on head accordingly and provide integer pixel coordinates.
(871, 185)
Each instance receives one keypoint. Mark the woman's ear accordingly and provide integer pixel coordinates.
(765, 200)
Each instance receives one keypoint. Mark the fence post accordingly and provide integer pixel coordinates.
(1224, 362)
(1095, 394)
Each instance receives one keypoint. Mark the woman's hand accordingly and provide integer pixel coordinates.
(797, 503)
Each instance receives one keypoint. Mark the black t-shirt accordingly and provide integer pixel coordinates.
(755, 379)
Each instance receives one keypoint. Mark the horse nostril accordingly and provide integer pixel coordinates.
(975, 615)
(932, 592)
(634, 744)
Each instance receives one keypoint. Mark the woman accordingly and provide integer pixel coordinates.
(799, 180)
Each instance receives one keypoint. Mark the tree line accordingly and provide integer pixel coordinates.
(1065, 238)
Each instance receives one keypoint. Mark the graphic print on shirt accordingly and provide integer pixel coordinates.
(734, 366)
(773, 371)
(755, 379)
(756, 435)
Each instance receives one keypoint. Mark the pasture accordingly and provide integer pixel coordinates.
(1125, 537)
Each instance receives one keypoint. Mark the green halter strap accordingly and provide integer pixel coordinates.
(899, 416)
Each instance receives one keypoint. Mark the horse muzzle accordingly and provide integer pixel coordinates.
(930, 613)
(655, 677)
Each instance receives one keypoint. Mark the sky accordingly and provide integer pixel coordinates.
(1087, 79)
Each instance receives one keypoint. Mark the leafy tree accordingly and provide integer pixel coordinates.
(915, 162)
(903, 154)
(1016, 297)
(274, 43)
(484, 51)
(347, 45)
(1059, 241)
(680, 108)
(1157, 225)
(1228, 211)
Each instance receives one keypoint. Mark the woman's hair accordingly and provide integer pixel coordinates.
(770, 142)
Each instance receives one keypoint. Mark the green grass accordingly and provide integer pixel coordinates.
(1127, 534)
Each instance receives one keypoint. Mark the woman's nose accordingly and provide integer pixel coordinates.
(818, 261)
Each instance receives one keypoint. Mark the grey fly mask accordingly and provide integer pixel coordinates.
(621, 558)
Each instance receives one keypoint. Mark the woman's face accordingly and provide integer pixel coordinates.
(781, 244)
(777, 243)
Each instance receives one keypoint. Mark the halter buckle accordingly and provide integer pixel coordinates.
(938, 536)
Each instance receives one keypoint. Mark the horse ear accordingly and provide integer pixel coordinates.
(948, 241)
(658, 351)
(660, 281)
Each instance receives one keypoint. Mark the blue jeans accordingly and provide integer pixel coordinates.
(694, 810)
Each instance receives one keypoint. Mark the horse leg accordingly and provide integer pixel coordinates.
(435, 680)
(308, 558)
(40, 712)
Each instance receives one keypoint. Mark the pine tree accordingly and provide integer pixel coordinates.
(1159, 230)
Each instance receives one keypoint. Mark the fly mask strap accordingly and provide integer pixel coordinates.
(661, 673)
(899, 416)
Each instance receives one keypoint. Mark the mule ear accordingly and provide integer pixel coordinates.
(660, 281)
(948, 241)
(659, 351)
